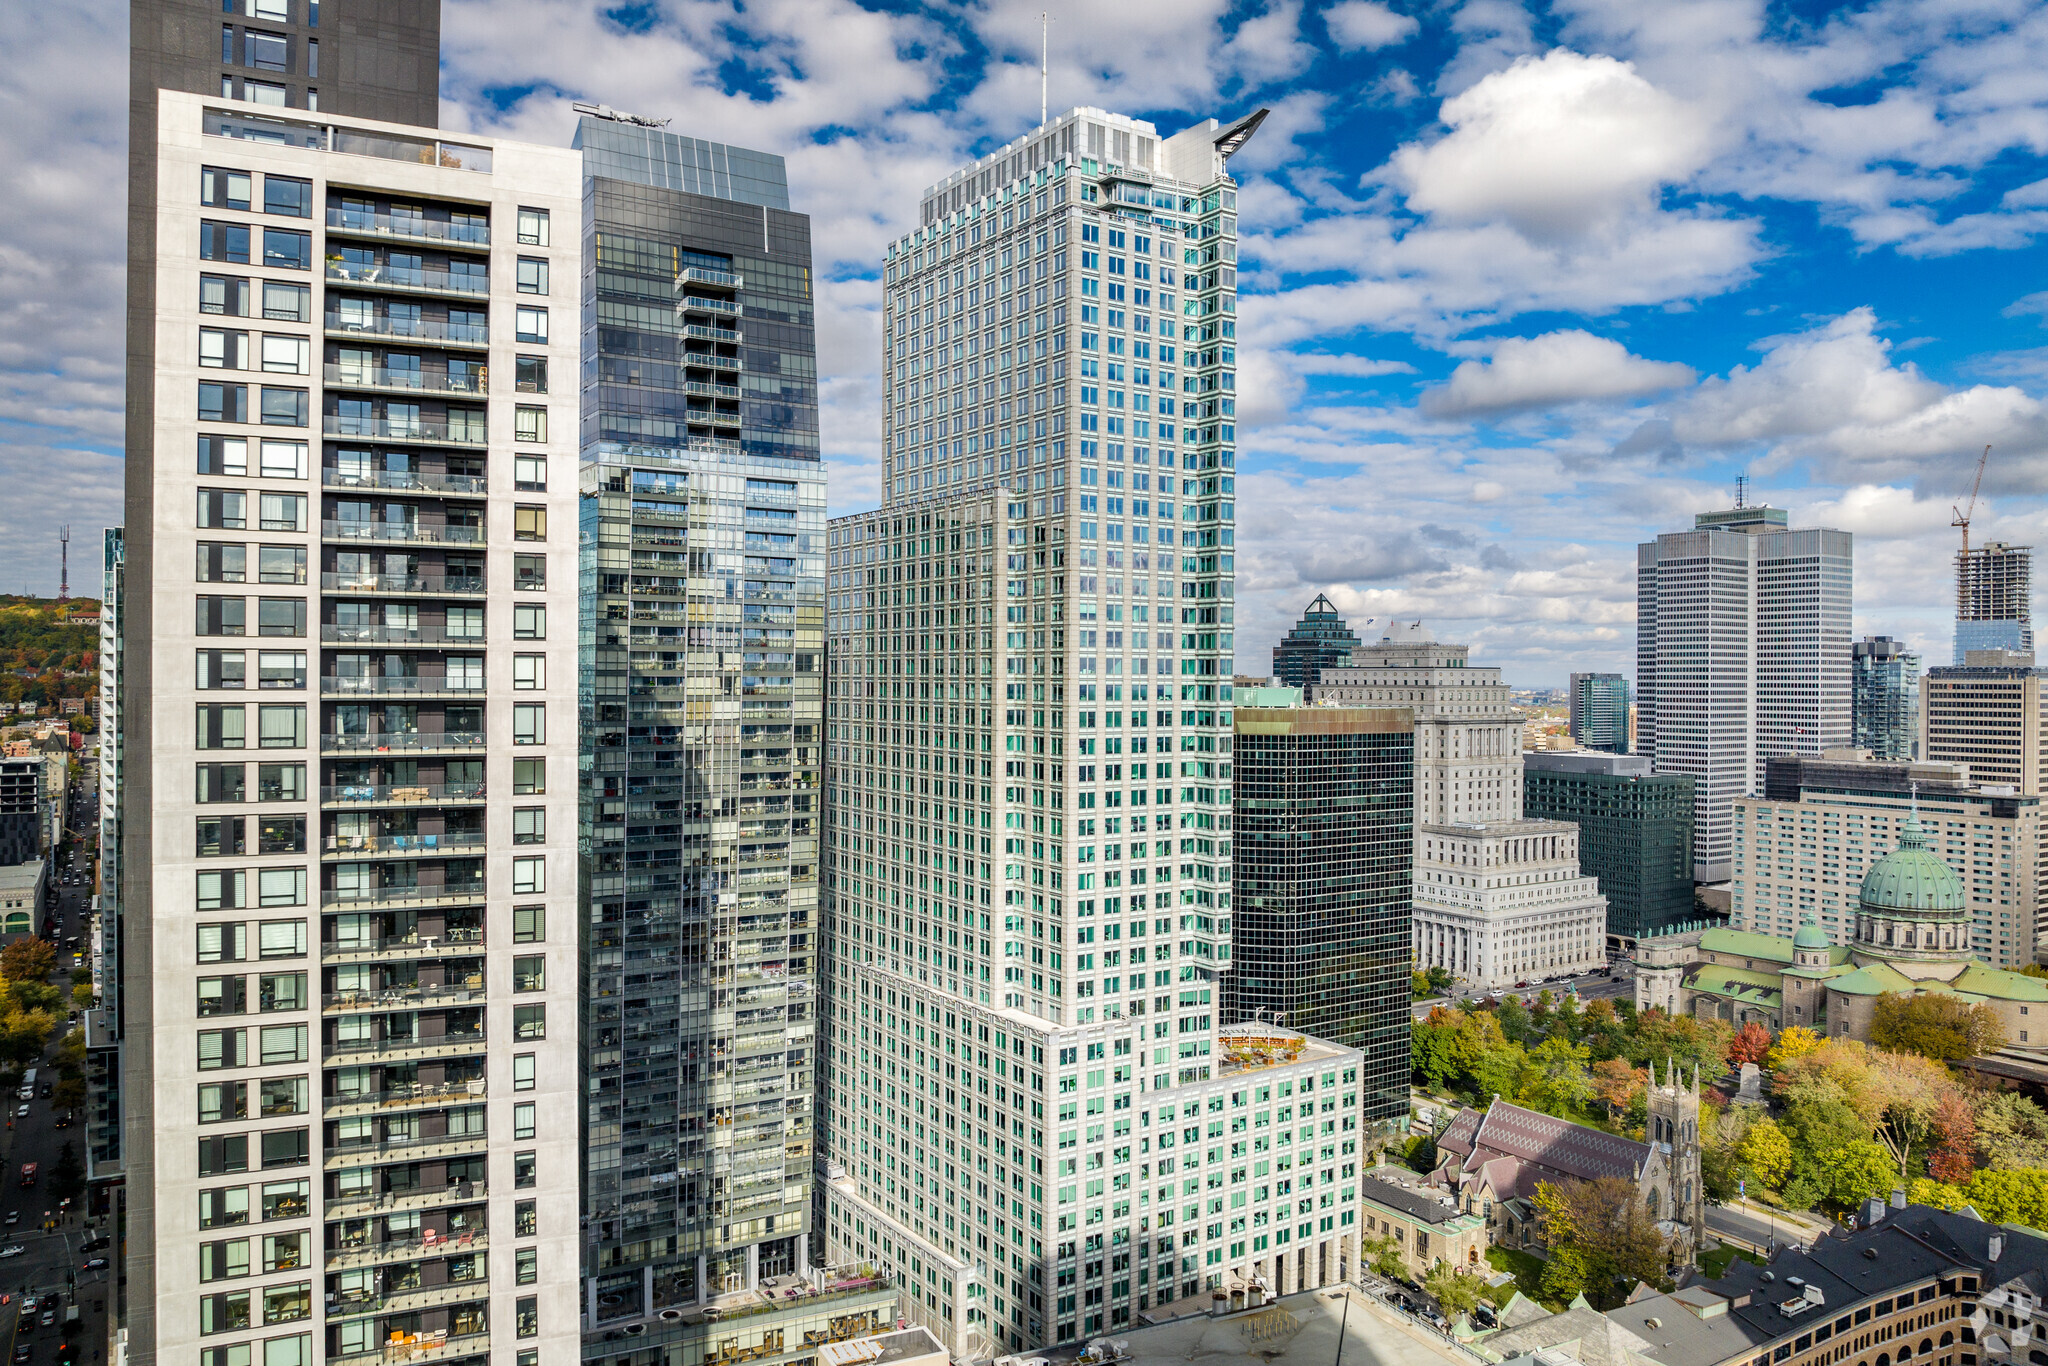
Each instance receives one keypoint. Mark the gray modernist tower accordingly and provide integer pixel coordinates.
(703, 504)
(1742, 653)
(1324, 815)
(1885, 691)
(1600, 718)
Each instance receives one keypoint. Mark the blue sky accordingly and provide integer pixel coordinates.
(1523, 285)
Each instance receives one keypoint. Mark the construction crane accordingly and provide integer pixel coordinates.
(1963, 514)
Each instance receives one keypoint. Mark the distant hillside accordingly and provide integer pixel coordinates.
(43, 654)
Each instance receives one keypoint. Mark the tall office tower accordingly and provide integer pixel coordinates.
(1884, 685)
(1600, 714)
(1028, 819)
(1635, 834)
(703, 602)
(103, 1021)
(348, 812)
(1499, 898)
(1320, 639)
(1994, 608)
(1742, 654)
(1849, 809)
(1324, 817)
(1988, 714)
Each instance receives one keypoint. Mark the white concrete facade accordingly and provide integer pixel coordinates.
(352, 1050)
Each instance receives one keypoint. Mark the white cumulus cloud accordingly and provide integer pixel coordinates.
(1558, 367)
(1368, 24)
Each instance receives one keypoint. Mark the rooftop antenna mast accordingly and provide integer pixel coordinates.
(1964, 514)
(1044, 52)
(1742, 490)
(64, 563)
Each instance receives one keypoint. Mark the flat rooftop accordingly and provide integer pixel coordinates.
(1299, 1328)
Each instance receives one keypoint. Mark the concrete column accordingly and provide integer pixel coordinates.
(753, 1266)
(704, 1291)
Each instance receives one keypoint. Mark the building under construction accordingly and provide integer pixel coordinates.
(1993, 607)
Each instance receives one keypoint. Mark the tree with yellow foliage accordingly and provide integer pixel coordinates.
(1795, 1042)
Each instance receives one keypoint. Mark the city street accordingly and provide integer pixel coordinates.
(1590, 987)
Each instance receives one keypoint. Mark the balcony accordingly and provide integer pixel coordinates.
(333, 633)
(401, 687)
(406, 381)
(373, 1252)
(409, 280)
(698, 303)
(702, 275)
(397, 947)
(371, 898)
(747, 1303)
(403, 742)
(412, 585)
(461, 1192)
(403, 1097)
(710, 362)
(453, 1044)
(358, 223)
(405, 1347)
(405, 481)
(713, 417)
(408, 533)
(416, 432)
(699, 332)
(467, 992)
(459, 841)
(405, 1301)
(697, 388)
(411, 329)
(402, 794)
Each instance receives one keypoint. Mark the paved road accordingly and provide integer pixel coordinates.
(1764, 1228)
(1590, 988)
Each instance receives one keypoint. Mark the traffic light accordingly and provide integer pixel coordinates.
(65, 1356)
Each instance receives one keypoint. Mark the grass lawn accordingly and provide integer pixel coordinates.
(1717, 1262)
(1526, 1269)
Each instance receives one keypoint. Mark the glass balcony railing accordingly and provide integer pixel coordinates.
(409, 481)
(370, 223)
(406, 429)
(413, 329)
(341, 685)
(430, 584)
(470, 889)
(393, 742)
(454, 841)
(408, 277)
(402, 793)
(412, 381)
(403, 531)
(704, 275)
(399, 635)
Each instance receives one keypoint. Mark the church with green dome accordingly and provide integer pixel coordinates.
(1912, 936)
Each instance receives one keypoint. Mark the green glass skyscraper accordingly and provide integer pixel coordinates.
(1635, 833)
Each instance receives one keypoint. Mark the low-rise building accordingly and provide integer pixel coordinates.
(1426, 1224)
(21, 891)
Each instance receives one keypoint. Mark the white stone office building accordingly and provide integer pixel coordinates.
(1499, 898)
(348, 752)
(1742, 654)
(1035, 1115)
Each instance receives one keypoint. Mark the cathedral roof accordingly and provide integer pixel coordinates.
(1810, 936)
(1911, 880)
(1765, 989)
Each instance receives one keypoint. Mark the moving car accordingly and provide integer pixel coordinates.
(95, 1264)
(14, 1251)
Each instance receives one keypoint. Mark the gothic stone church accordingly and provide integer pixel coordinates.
(1492, 1161)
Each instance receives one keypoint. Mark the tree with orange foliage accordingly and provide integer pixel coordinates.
(1750, 1044)
(1955, 1130)
(1616, 1084)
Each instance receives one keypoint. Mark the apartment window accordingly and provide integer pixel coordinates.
(281, 991)
(312, 65)
(525, 1218)
(219, 616)
(530, 621)
(529, 876)
(217, 836)
(525, 1171)
(220, 1048)
(529, 1023)
(280, 616)
(224, 943)
(224, 1207)
(531, 424)
(529, 325)
(287, 1303)
(220, 725)
(281, 939)
(283, 407)
(281, 727)
(280, 782)
(282, 459)
(282, 1096)
(526, 1266)
(529, 672)
(529, 723)
(287, 195)
(221, 349)
(224, 242)
(287, 249)
(292, 1351)
(221, 188)
(281, 669)
(288, 1199)
(224, 294)
(530, 374)
(529, 777)
(530, 973)
(281, 512)
(522, 1071)
(285, 1148)
(223, 996)
(524, 1124)
(286, 355)
(529, 522)
(224, 1313)
(529, 924)
(281, 564)
(282, 886)
(226, 509)
(529, 825)
(226, 1154)
(279, 1044)
(223, 890)
(224, 1260)
(530, 472)
(219, 783)
(526, 1317)
(276, 11)
(223, 455)
(287, 303)
(533, 228)
(217, 669)
(264, 92)
(266, 51)
(223, 402)
(532, 278)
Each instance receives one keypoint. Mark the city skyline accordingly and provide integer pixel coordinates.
(1520, 400)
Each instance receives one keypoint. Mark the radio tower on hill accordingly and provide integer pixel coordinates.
(64, 563)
